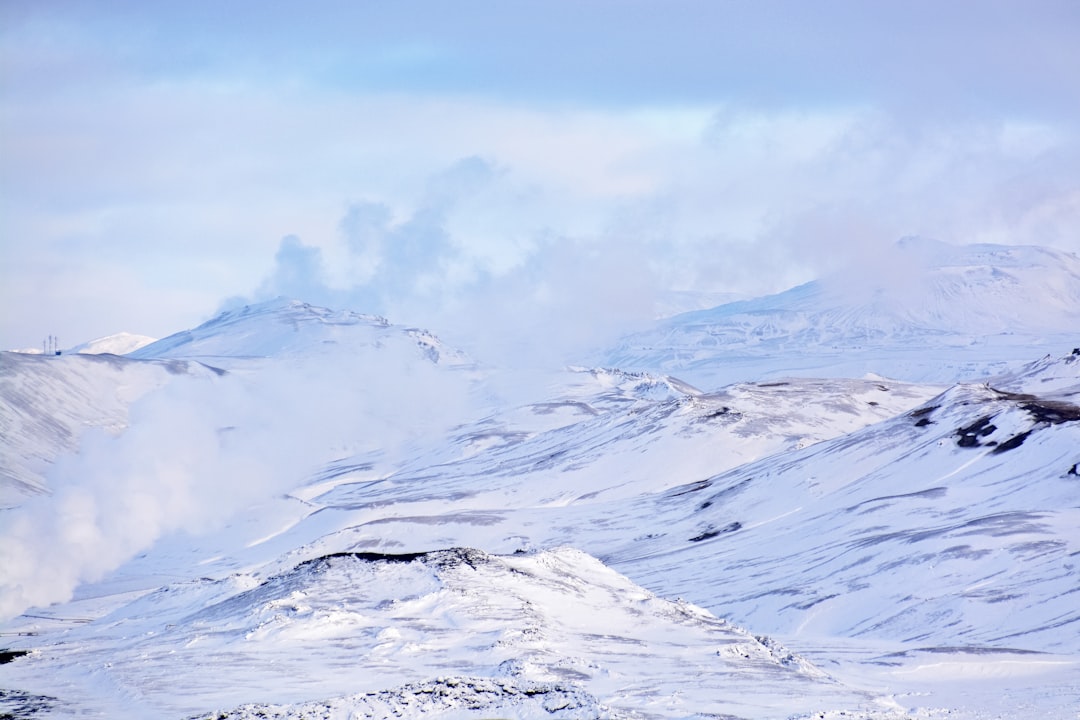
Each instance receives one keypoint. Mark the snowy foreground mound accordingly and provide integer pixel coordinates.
(553, 634)
(291, 512)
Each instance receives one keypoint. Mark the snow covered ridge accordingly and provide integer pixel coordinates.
(1050, 377)
(118, 344)
(282, 328)
(931, 313)
(442, 697)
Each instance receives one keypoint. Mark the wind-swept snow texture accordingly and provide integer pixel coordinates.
(388, 539)
(953, 524)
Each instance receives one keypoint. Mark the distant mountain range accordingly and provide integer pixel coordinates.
(946, 313)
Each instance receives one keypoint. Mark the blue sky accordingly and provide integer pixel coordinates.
(539, 164)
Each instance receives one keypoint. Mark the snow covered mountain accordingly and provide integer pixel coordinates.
(347, 522)
(283, 327)
(925, 312)
(118, 344)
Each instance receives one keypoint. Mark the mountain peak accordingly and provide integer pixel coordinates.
(897, 314)
(120, 343)
(935, 253)
(288, 327)
(291, 310)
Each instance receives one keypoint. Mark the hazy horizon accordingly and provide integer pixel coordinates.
(443, 164)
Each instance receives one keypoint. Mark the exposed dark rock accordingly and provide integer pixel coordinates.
(923, 411)
(19, 705)
(969, 435)
(1013, 442)
(1052, 412)
(438, 558)
(934, 492)
(7, 656)
(494, 695)
(686, 489)
(711, 533)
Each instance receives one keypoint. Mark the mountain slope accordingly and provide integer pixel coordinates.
(951, 525)
(47, 402)
(289, 539)
(817, 538)
(925, 535)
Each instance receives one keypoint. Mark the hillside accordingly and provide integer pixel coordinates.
(302, 512)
